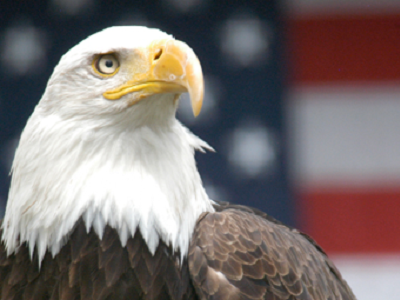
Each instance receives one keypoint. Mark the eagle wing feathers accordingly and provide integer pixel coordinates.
(242, 253)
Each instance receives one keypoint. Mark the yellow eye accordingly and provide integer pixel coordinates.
(106, 64)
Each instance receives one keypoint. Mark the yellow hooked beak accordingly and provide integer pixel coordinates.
(172, 68)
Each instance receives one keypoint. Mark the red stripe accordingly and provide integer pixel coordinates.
(344, 221)
(344, 48)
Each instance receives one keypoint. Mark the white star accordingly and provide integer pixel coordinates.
(216, 192)
(185, 6)
(23, 49)
(252, 149)
(209, 111)
(71, 7)
(244, 40)
(137, 19)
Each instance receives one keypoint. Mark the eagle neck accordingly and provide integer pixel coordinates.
(141, 179)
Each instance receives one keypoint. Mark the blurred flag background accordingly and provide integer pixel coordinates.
(302, 104)
(343, 120)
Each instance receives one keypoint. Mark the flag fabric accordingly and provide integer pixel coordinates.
(343, 115)
(342, 109)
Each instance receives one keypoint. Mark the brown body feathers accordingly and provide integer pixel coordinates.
(235, 253)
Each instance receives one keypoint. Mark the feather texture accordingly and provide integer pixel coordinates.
(236, 253)
(242, 253)
(108, 162)
(90, 268)
(105, 196)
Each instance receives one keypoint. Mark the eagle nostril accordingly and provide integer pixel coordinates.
(158, 54)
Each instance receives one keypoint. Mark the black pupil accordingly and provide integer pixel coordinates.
(109, 63)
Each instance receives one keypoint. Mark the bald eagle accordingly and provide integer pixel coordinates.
(106, 201)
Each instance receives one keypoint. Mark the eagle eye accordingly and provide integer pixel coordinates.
(106, 64)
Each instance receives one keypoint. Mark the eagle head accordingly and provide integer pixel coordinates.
(103, 144)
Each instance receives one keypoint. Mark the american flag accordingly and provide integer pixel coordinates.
(343, 115)
(302, 106)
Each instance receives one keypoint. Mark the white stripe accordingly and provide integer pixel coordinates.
(345, 135)
(371, 277)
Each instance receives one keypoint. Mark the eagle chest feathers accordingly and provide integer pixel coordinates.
(90, 268)
(106, 201)
(236, 253)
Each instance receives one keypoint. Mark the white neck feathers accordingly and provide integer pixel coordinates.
(130, 178)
